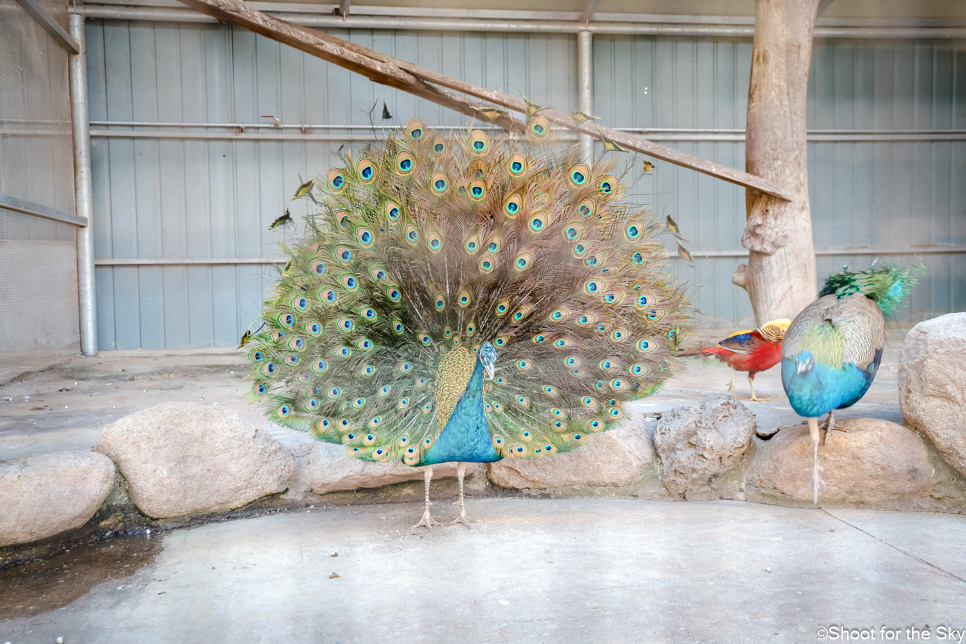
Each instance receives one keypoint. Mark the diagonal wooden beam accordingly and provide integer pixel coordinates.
(410, 78)
(378, 68)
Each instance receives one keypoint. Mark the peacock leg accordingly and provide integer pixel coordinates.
(462, 518)
(828, 426)
(751, 383)
(816, 483)
(427, 520)
(733, 383)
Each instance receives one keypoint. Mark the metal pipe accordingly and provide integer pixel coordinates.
(585, 88)
(632, 130)
(83, 192)
(544, 16)
(652, 135)
(388, 128)
(829, 252)
(189, 261)
(700, 30)
(241, 261)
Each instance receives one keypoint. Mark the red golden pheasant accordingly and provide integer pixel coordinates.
(751, 351)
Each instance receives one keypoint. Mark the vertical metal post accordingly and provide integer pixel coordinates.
(83, 196)
(585, 88)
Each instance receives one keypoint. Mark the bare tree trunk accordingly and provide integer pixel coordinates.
(780, 277)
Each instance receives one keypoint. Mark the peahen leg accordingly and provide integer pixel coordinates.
(828, 426)
(427, 520)
(462, 518)
(751, 383)
(816, 483)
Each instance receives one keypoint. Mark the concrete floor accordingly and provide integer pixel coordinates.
(536, 570)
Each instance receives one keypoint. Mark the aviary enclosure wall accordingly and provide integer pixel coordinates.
(885, 176)
(38, 257)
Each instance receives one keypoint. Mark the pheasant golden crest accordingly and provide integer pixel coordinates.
(467, 299)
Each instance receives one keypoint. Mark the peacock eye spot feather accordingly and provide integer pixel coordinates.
(336, 179)
(439, 148)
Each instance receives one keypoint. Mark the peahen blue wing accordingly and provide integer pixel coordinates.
(831, 351)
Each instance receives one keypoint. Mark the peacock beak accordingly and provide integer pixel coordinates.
(490, 370)
(804, 362)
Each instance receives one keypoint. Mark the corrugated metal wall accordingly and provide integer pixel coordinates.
(38, 257)
(161, 198)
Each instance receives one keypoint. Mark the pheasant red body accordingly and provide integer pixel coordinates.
(752, 351)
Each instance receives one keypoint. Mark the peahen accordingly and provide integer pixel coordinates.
(832, 349)
(752, 351)
(467, 299)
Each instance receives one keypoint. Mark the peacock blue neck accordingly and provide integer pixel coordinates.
(465, 437)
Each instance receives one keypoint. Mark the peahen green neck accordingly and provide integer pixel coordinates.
(465, 437)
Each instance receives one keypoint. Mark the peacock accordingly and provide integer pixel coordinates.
(832, 349)
(467, 299)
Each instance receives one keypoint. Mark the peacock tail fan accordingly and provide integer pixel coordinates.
(424, 249)
(887, 286)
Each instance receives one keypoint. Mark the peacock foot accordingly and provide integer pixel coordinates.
(828, 426)
(755, 398)
(427, 521)
(815, 485)
(462, 518)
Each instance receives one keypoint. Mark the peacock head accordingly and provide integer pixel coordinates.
(804, 362)
(488, 359)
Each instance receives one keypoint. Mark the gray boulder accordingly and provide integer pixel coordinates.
(330, 469)
(864, 460)
(48, 494)
(617, 457)
(699, 442)
(932, 384)
(184, 458)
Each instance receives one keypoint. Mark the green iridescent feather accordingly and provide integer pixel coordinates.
(886, 286)
(427, 246)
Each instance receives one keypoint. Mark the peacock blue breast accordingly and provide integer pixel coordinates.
(820, 388)
(465, 437)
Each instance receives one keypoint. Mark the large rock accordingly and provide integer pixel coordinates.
(183, 458)
(932, 384)
(869, 460)
(617, 457)
(330, 469)
(44, 495)
(699, 442)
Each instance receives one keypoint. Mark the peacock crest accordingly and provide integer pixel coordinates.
(439, 264)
